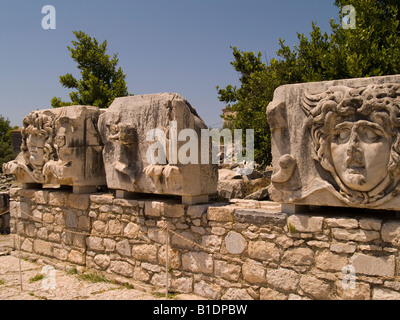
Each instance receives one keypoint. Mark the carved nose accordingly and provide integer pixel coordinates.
(353, 145)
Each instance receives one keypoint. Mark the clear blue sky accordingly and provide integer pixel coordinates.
(180, 46)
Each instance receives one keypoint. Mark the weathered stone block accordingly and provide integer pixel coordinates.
(109, 244)
(135, 162)
(182, 285)
(270, 294)
(60, 146)
(343, 247)
(236, 294)
(196, 211)
(385, 294)
(154, 208)
(95, 243)
(78, 201)
(77, 257)
(43, 247)
(221, 214)
(317, 288)
(283, 279)
(58, 199)
(174, 210)
(264, 251)
(48, 218)
(305, 223)
(227, 271)
(333, 143)
(122, 268)
(101, 199)
(61, 254)
(145, 252)
(114, 226)
(126, 203)
(370, 224)
(207, 290)
(27, 245)
(355, 235)
(361, 291)
(123, 248)
(329, 261)
(198, 262)
(299, 257)
(131, 230)
(346, 223)
(174, 257)
(102, 260)
(260, 216)
(160, 236)
(41, 197)
(373, 266)
(254, 272)
(391, 233)
(140, 275)
(99, 226)
(211, 242)
(180, 239)
(235, 243)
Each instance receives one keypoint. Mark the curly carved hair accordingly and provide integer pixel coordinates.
(376, 103)
(43, 126)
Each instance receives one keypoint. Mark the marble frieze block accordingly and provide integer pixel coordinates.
(60, 146)
(144, 142)
(337, 143)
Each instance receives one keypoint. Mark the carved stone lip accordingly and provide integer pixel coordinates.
(356, 169)
(355, 164)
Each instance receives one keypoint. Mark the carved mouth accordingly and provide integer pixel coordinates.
(356, 169)
(355, 165)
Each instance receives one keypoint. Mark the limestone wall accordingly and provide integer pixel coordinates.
(4, 213)
(245, 250)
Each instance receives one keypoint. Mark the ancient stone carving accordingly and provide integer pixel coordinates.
(60, 147)
(141, 145)
(342, 146)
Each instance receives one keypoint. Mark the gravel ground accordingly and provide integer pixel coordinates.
(60, 285)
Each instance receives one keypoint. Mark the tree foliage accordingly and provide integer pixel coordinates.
(101, 81)
(6, 150)
(372, 49)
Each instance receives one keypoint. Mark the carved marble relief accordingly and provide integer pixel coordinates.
(60, 147)
(141, 147)
(342, 145)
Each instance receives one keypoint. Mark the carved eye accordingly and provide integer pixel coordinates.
(343, 135)
(370, 135)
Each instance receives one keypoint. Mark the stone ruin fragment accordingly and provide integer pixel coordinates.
(85, 147)
(142, 150)
(337, 143)
(60, 147)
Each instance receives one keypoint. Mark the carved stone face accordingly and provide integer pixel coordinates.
(35, 146)
(356, 137)
(360, 154)
(122, 133)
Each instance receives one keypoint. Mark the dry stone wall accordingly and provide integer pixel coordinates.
(4, 213)
(242, 250)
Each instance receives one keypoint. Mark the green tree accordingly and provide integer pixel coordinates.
(101, 81)
(372, 49)
(6, 150)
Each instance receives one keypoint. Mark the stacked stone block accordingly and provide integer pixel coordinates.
(243, 250)
(52, 224)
